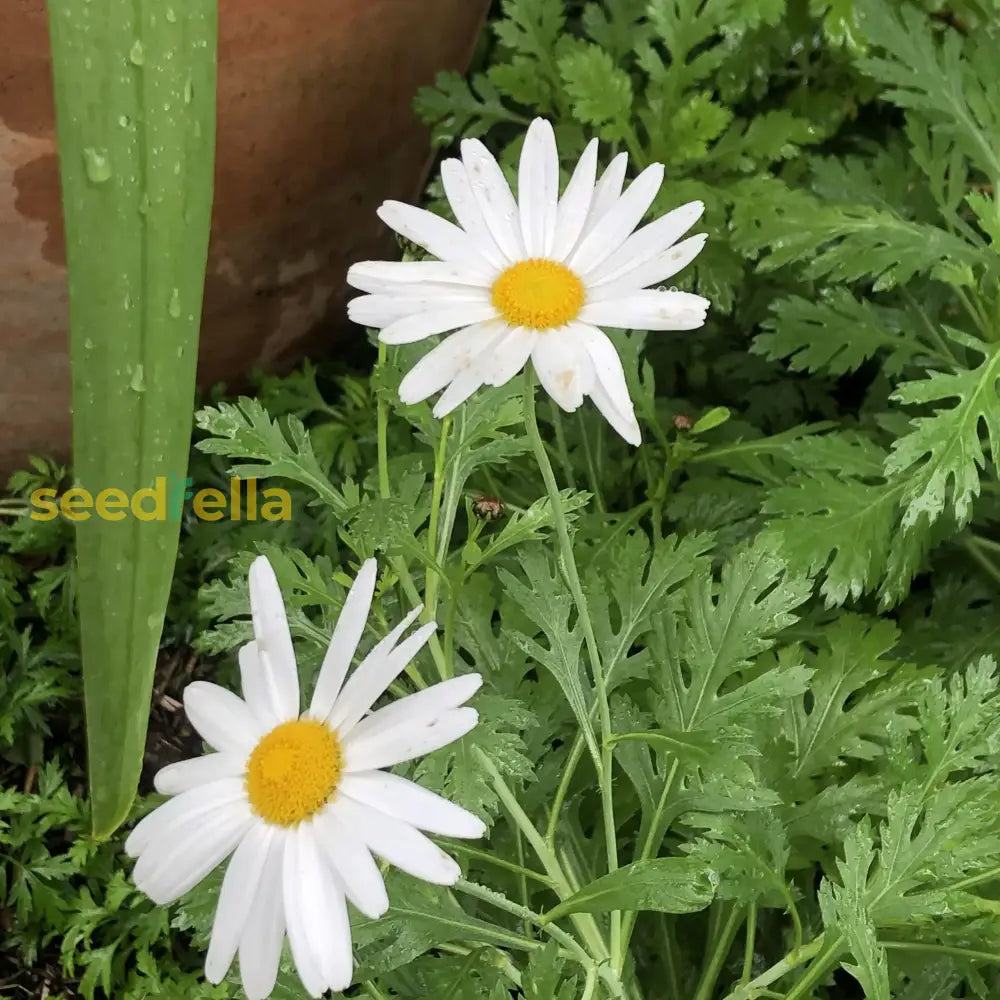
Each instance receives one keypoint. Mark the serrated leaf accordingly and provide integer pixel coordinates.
(836, 334)
(941, 456)
(701, 654)
(846, 530)
(842, 242)
(748, 852)
(600, 91)
(858, 699)
(548, 604)
(456, 107)
(663, 885)
(245, 430)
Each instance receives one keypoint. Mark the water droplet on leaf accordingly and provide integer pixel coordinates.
(174, 308)
(97, 166)
(138, 383)
(136, 54)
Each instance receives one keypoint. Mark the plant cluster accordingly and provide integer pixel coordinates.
(790, 588)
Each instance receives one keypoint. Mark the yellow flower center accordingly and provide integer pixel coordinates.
(538, 293)
(293, 771)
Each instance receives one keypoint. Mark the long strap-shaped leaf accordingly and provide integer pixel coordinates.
(135, 86)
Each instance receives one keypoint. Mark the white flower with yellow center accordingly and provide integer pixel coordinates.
(533, 278)
(302, 802)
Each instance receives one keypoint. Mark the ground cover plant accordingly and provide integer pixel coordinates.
(785, 597)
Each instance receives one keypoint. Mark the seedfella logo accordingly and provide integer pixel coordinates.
(165, 500)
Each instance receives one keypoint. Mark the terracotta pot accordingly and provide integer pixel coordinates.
(315, 129)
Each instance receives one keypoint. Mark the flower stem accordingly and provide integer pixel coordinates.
(723, 941)
(584, 922)
(440, 455)
(576, 589)
(382, 416)
(751, 940)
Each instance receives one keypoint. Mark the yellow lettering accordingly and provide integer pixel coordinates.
(111, 504)
(75, 504)
(43, 504)
(209, 504)
(158, 494)
(282, 500)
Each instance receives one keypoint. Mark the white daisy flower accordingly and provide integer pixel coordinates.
(303, 802)
(532, 278)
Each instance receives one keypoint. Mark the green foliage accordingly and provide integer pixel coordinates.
(791, 587)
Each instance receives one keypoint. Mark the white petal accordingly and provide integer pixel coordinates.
(422, 705)
(628, 429)
(316, 912)
(274, 641)
(306, 963)
(264, 931)
(389, 307)
(610, 392)
(256, 680)
(465, 383)
(415, 739)
(564, 368)
(661, 267)
(647, 243)
(437, 236)
(398, 842)
(538, 188)
(419, 326)
(239, 889)
(607, 191)
(447, 360)
(190, 806)
(510, 354)
(492, 192)
(376, 672)
(399, 276)
(574, 205)
(648, 310)
(344, 642)
(612, 229)
(187, 774)
(353, 863)
(223, 720)
(413, 804)
(458, 191)
(378, 652)
(169, 869)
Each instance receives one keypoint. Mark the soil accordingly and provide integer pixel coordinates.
(170, 737)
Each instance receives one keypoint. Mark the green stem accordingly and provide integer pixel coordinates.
(795, 958)
(670, 957)
(458, 847)
(588, 453)
(652, 842)
(573, 760)
(751, 939)
(722, 942)
(820, 967)
(569, 943)
(584, 922)
(440, 455)
(975, 549)
(969, 954)
(382, 416)
(576, 589)
(556, 418)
